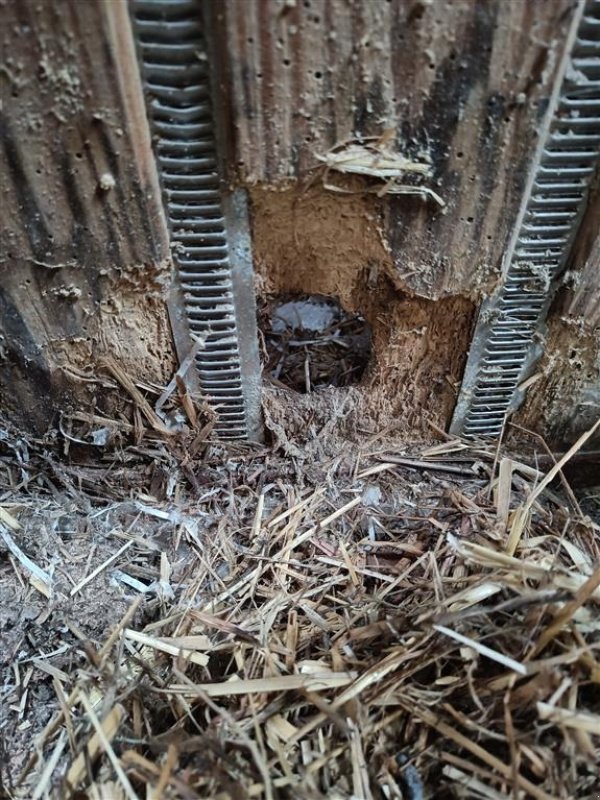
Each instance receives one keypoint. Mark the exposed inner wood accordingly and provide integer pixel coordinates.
(85, 269)
(85, 266)
(463, 83)
(565, 400)
(309, 240)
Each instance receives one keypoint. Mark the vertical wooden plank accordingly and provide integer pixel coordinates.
(463, 83)
(85, 259)
(565, 399)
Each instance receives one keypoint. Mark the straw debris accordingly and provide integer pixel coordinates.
(376, 159)
(232, 623)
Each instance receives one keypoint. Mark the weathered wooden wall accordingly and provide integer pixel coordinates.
(85, 264)
(85, 270)
(465, 82)
(565, 400)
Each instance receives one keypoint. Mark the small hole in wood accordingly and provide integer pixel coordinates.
(312, 342)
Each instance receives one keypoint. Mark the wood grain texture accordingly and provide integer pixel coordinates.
(565, 401)
(85, 271)
(85, 260)
(582, 302)
(465, 82)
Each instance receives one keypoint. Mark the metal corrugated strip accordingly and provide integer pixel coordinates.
(507, 339)
(209, 232)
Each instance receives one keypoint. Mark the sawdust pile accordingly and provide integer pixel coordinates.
(181, 620)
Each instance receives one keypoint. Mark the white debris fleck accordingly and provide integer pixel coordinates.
(308, 315)
(101, 436)
(107, 182)
(371, 496)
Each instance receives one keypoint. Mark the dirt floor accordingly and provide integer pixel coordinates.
(331, 615)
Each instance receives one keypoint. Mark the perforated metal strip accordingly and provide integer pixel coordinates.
(208, 228)
(508, 337)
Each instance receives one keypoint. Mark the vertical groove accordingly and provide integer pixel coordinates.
(205, 230)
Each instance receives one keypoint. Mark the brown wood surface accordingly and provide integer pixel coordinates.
(565, 400)
(582, 302)
(465, 82)
(84, 269)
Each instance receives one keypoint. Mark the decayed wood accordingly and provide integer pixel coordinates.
(463, 83)
(85, 257)
(585, 304)
(565, 400)
(583, 301)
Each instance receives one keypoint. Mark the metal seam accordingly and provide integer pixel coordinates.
(508, 336)
(205, 235)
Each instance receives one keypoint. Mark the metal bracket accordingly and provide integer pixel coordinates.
(508, 339)
(208, 225)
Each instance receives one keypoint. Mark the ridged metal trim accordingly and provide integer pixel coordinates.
(508, 338)
(209, 231)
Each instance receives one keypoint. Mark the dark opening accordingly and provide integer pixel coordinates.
(311, 342)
